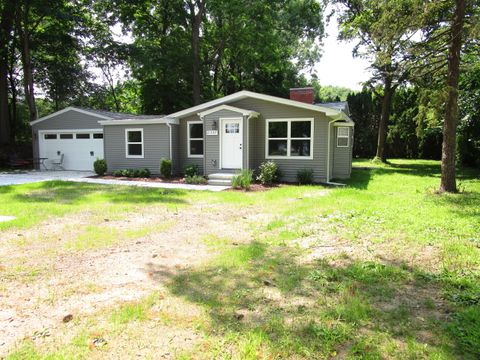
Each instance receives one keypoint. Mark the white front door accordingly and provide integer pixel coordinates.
(231, 143)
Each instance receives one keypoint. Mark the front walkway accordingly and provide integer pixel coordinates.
(31, 176)
(150, 184)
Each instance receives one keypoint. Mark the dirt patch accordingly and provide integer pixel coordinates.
(86, 281)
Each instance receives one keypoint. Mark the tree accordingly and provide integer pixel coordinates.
(384, 31)
(6, 27)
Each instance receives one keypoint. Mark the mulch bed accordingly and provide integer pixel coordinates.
(257, 188)
(156, 179)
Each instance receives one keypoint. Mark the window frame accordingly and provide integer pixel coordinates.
(343, 137)
(289, 138)
(189, 154)
(134, 142)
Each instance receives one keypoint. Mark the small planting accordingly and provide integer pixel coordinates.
(166, 168)
(243, 180)
(132, 173)
(268, 173)
(100, 167)
(196, 180)
(305, 176)
(191, 170)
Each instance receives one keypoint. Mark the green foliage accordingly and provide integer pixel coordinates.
(100, 167)
(196, 179)
(305, 176)
(191, 170)
(466, 328)
(132, 173)
(268, 173)
(243, 180)
(166, 168)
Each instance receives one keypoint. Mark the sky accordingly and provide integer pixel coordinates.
(337, 65)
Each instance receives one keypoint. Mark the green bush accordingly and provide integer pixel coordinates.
(195, 179)
(100, 167)
(191, 170)
(118, 173)
(132, 173)
(128, 172)
(166, 168)
(305, 176)
(268, 173)
(243, 180)
(144, 173)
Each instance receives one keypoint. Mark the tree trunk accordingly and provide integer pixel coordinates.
(448, 181)
(27, 63)
(196, 21)
(384, 118)
(6, 24)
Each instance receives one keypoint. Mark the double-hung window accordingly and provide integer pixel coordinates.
(134, 143)
(343, 136)
(289, 138)
(195, 139)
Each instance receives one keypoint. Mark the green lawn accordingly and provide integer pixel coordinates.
(382, 268)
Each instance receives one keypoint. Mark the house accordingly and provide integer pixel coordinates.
(221, 136)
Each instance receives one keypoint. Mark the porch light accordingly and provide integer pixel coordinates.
(214, 125)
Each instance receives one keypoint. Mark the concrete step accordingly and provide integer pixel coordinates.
(221, 176)
(220, 182)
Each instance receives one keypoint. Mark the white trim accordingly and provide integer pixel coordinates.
(220, 138)
(70, 108)
(248, 140)
(349, 124)
(289, 138)
(189, 155)
(140, 121)
(332, 113)
(328, 149)
(127, 143)
(343, 137)
(170, 141)
(229, 108)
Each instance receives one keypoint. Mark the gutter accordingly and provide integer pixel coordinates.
(170, 139)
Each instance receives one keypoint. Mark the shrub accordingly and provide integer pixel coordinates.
(118, 173)
(243, 179)
(100, 167)
(305, 176)
(268, 173)
(127, 172)
(191, 170)
(166, 168)
(144, 173)
(196, 179)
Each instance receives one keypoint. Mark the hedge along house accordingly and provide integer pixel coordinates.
(238, 131)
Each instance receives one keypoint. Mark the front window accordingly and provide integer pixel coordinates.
(343, 136)
(134, 143)
(289, 138)
(195, 139)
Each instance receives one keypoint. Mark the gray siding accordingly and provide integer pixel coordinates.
(212, 142)
(342, 157)
(183, 158)
(156, 146)
(288, 167)
(69, 120)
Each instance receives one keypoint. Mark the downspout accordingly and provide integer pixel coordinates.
(170, 139)
(328, 150)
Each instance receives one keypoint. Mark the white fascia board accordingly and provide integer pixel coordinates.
(230, 108)
(249, 94)
(139, 122)
(70, 108)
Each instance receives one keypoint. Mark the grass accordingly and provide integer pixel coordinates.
(396, 275)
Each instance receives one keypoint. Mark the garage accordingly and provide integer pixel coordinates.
(70, 150)
(72, 135)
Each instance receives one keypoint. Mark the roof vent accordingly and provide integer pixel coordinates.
(305, 94)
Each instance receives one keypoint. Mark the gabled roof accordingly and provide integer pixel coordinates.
(101, 114)
(329, 112)
(339, 105)
(230, 108)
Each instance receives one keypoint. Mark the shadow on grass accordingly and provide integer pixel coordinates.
(271, 302)
(73, 192)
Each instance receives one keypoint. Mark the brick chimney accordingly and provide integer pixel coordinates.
(306, 94)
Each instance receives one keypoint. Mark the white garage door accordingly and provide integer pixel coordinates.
(80, 148)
